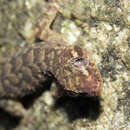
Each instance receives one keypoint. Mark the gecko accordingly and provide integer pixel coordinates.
(71, 65)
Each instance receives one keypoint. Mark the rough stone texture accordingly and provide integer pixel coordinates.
(103, 27)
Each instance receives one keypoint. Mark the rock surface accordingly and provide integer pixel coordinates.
(103, 27)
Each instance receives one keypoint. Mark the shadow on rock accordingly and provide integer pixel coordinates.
(80, 107)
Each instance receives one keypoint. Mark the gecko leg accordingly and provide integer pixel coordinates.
(16, 109)
(43, 30)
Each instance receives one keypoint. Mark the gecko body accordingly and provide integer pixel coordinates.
(70, 65)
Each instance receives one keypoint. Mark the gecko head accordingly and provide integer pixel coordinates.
(86, 77)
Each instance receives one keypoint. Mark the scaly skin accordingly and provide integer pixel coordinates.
(70, 65)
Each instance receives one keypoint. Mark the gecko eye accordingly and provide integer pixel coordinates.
(79, 61)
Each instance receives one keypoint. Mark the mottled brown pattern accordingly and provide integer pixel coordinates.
(70, 65)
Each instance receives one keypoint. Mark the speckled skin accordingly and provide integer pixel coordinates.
(70, 65)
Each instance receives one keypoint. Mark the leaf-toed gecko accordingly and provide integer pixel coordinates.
(71, 65)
